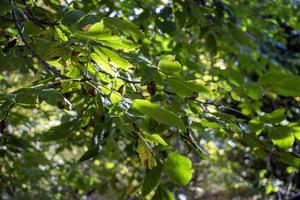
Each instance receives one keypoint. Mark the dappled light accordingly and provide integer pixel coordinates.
(149, 99)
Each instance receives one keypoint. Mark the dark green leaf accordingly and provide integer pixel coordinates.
(61, 131)
(185, 88)
(72, 17)
(163, 193)
(281, 83)
(151, 179)
(275, 117)
(91, 153)
(125, 26)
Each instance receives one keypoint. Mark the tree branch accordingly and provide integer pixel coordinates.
(33, 52)
(189, 139)
(35, 19)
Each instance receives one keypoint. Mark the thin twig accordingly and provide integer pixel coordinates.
(289, 185)
(189, 139)
(40, 21)
(33, 52)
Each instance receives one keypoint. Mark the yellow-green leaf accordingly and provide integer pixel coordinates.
(112, 58)
(282, 137)
(155, 138)
(179, 168)
(145, 154)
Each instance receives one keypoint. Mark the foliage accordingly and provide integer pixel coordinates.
(149, 99)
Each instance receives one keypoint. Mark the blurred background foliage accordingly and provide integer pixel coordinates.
(149, 99)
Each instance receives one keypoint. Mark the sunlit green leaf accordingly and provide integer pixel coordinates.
(282, 137)
(155, 138)
(179, 168)
(112, 58)
(125, 26)
(169, 65)
(158, 113)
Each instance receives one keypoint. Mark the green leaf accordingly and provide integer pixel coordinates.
(281, 83)
(25, 97)
(254, 91)
(102, 63)
(60, 34)
(34, 96)
(87, 21)
(295, 128)
(127, 27)
(50, 96)
(145, 154)
(289, 159)
(274, 117)
(151, 179)
(96, 32)
(185, 88)
(178, 168)
(119, 43)
(158, 113)
(168, 65)
(211, 44)
(5, 6)
(96, 29)
(197, 12)
(112, 58)
(155, 138)
(210, 124)
(255, 126)
(233, 76)
(296, 131)
(91, 153)
(72, 17)
(239, 35)
(163, 193)
(282, 137)
(61, 131)
(255, 144)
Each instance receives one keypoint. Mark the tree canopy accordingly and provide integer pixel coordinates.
(149, 99)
